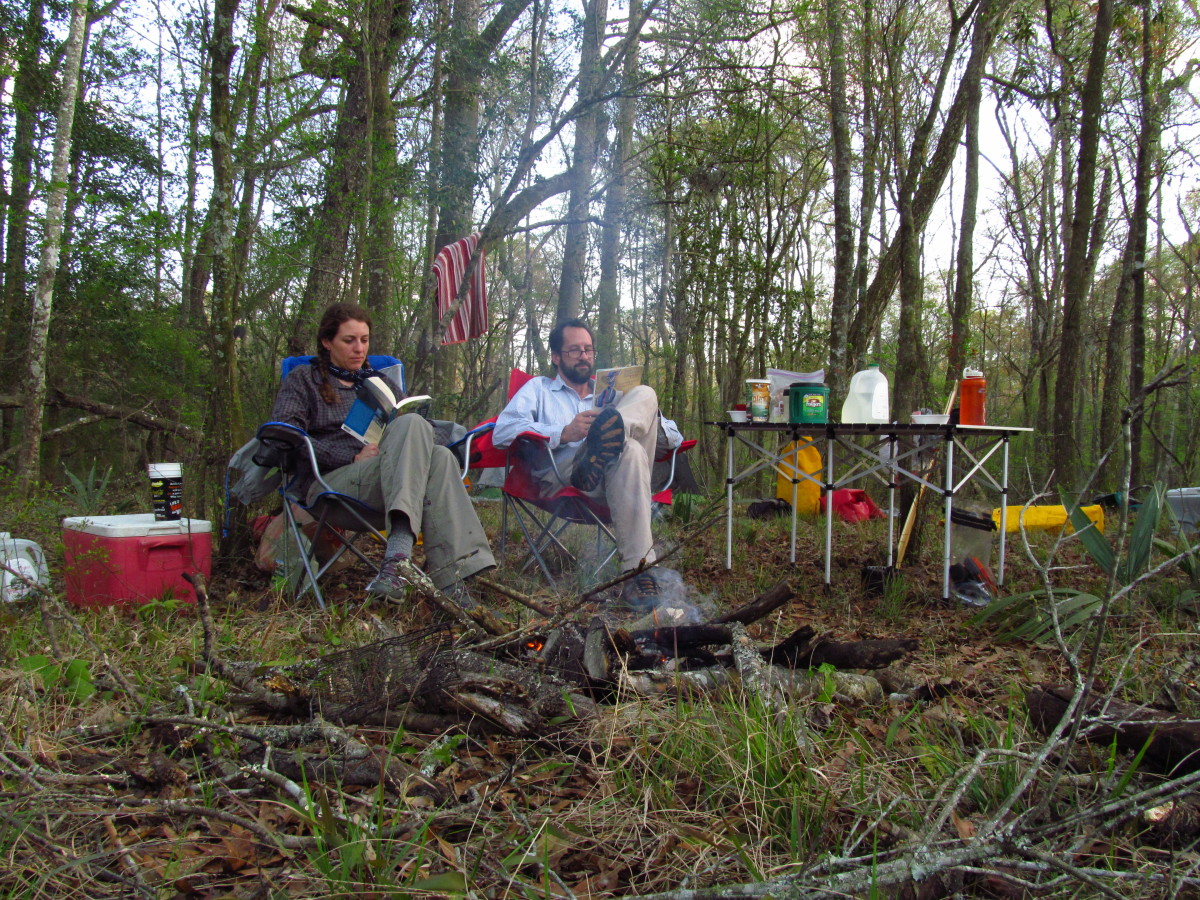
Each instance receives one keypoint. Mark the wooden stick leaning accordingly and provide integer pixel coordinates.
(911, 518)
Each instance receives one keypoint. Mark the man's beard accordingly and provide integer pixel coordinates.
(574, 376)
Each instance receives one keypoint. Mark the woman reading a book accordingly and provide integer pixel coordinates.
(416, 482)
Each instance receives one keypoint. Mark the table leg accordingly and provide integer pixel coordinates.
(729, 501)
(948, 506)
(1003, 509)
(795, 492)
(828, 511)
(891, 501)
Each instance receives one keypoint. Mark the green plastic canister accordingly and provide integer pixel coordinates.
(809, 404)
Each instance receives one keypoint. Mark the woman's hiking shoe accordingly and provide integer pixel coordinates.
(604, 442)
(396, 576)
(641, 592)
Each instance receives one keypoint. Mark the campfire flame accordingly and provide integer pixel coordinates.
(673, 609)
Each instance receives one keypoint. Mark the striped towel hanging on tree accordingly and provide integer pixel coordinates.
(471, 319)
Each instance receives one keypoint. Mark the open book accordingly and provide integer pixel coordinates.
(376, 405)
(611, 384)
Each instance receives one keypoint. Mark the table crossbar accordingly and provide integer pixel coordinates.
(871, 462)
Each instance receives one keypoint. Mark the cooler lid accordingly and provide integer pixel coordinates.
(137, 525)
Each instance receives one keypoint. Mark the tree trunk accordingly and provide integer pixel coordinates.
(43, 303)
(225, 407)
(467, 54)
(27, 93)
(929, 177)
(615, 221)
(1076, 283)
(460, 131)
(340, 206)
(1147, 159)
(843, 234)
(587, 133)
(911, 379)
(964, 264)
(363, 61)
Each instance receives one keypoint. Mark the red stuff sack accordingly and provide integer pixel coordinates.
(853, 505)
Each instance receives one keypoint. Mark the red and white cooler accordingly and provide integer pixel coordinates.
(131, 560)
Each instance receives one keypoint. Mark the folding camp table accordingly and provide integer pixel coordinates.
(892, 449)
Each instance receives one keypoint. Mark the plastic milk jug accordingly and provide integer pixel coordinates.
(867, 399)
(24, 557)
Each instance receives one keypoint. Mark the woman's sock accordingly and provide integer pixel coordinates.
(400, 537)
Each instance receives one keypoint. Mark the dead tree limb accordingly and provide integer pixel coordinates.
(96, 408)
(760, 606)
(1172, 744)
(258, 693)
(803, 649)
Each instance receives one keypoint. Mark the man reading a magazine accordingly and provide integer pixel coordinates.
(606, 453)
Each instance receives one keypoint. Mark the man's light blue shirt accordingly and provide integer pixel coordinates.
(547, 406)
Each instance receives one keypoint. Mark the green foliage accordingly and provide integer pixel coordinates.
(1030, 615)
(74, 677)
(685, 506)
(826, 672)
(86, 496)
(742, 755)
(1141, 537)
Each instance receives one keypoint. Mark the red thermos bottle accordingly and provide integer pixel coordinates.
(972, 392)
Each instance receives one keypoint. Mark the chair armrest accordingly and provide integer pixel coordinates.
(476, 450)
(672, 454)
(292, 442)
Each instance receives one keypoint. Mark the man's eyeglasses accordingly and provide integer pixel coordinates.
(577, 352)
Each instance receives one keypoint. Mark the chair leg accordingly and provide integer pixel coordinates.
(534, 544)
(298, 544)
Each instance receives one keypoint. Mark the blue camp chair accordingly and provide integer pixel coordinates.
(377, 361)
(340, 519)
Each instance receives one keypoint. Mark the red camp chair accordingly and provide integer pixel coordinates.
(544, 519)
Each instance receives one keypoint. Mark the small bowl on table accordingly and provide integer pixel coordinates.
(930, 418)
(737, 415)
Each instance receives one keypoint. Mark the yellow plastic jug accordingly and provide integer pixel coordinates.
(804, 457)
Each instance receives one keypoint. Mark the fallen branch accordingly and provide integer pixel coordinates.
(258, 692)
(1172, 744)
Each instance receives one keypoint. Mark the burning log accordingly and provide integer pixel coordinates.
(805, 649)
(424, 674)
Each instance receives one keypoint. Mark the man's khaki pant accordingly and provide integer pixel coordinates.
(625, 488)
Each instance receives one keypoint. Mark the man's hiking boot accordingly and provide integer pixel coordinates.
(604, 442)
(396, 576)
(641, 592)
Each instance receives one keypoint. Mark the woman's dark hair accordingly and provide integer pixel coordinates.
(331, 321)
